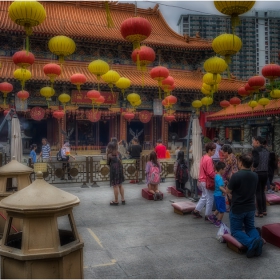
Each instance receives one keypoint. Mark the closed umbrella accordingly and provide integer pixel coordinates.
(196, 148)
(16, 142)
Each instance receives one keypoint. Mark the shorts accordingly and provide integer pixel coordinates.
(220, 203)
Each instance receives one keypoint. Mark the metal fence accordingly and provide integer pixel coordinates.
(92, 170)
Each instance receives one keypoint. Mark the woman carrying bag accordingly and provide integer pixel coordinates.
(206, 182)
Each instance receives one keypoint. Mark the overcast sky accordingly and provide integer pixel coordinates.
(171, 10)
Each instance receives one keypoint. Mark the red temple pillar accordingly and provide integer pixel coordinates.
(123, 128)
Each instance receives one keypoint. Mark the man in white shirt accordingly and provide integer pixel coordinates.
(216, 156)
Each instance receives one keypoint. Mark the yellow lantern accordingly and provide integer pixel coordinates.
(233, 9)
(64, 98)
(275, 94)
(111, 77)
(227, 45)
(133, 97)
(215, 65)
(27, 14)
(98, 68)
(206, 101)
(253, 104)
(264, 102)
(62, 46)
(22, 75)
(123, 84)
(47, 92)
(197, 104)
(136, 103)
(208, 79)
(205, 91)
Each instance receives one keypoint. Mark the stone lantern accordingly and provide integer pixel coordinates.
(13, 176)
(48, 245)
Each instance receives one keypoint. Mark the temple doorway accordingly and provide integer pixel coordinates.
(135, 129)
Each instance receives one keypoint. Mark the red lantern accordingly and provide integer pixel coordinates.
(135, 30)
(249, 89)
(100, 100)
(167, 83)
(256, 82)
(171, 100)
(169, 118)
(5, 88)
(58, 114)
(78, 79)
(52, 70)
(93, 116)
(234, 101)
(23, 95)
(93, 95)
(128, 116)
(271, 71)
(159, 73)
(143, 57)
(164, 103)
(23, 59)
(243, 92)
(37, 113)
(224, 104)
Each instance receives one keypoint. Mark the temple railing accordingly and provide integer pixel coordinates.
(93, 170)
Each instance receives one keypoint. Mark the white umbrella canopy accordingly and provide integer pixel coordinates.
(16, 142)
(196, 148)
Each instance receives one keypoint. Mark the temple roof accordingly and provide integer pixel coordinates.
(245, 111)
(86, 20)
(184, 80)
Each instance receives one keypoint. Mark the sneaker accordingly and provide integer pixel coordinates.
(217, 223)
(196, 214)
(258, 250)
(155, 197)
(270, 191)
(212, 219)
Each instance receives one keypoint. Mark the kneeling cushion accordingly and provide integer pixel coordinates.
(233, 244)
(146, 194)
(272, 198)
(183, 207)
(176, 193)
(271, 233)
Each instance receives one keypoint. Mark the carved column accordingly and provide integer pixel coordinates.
(276, 140)
(247, 138)
(123, 128)
(222, 134)
(164, 132)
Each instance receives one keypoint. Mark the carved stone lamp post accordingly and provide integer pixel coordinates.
(48, 245)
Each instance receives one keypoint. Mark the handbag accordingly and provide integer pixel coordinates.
(210, 184)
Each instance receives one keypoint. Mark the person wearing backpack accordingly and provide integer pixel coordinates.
(65, 155)
(181, 173)
(153, 170)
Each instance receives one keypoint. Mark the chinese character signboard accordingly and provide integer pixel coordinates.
(81, 97)
(157, 107)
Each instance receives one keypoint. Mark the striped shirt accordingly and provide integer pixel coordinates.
(46, 149)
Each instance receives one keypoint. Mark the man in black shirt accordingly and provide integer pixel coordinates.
(242, 186)
(260, 165)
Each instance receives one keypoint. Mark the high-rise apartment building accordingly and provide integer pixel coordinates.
(258, 30)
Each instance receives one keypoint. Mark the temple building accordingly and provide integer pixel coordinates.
(86, 24)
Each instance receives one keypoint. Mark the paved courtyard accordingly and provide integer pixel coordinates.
(146, 239)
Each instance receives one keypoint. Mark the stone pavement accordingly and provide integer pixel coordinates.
(146, 239)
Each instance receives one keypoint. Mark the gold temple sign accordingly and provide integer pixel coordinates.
(81, 97)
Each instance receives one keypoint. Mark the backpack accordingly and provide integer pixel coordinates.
(59, 155)
(182, 174)
(154, 175)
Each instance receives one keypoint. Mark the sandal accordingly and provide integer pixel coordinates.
(113, 203)
(265, 213)
(259, 215)
(123, 202)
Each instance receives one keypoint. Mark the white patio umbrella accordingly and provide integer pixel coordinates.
(196, 148)
(16, 142)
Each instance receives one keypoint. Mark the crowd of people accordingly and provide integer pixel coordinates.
(242, 182)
